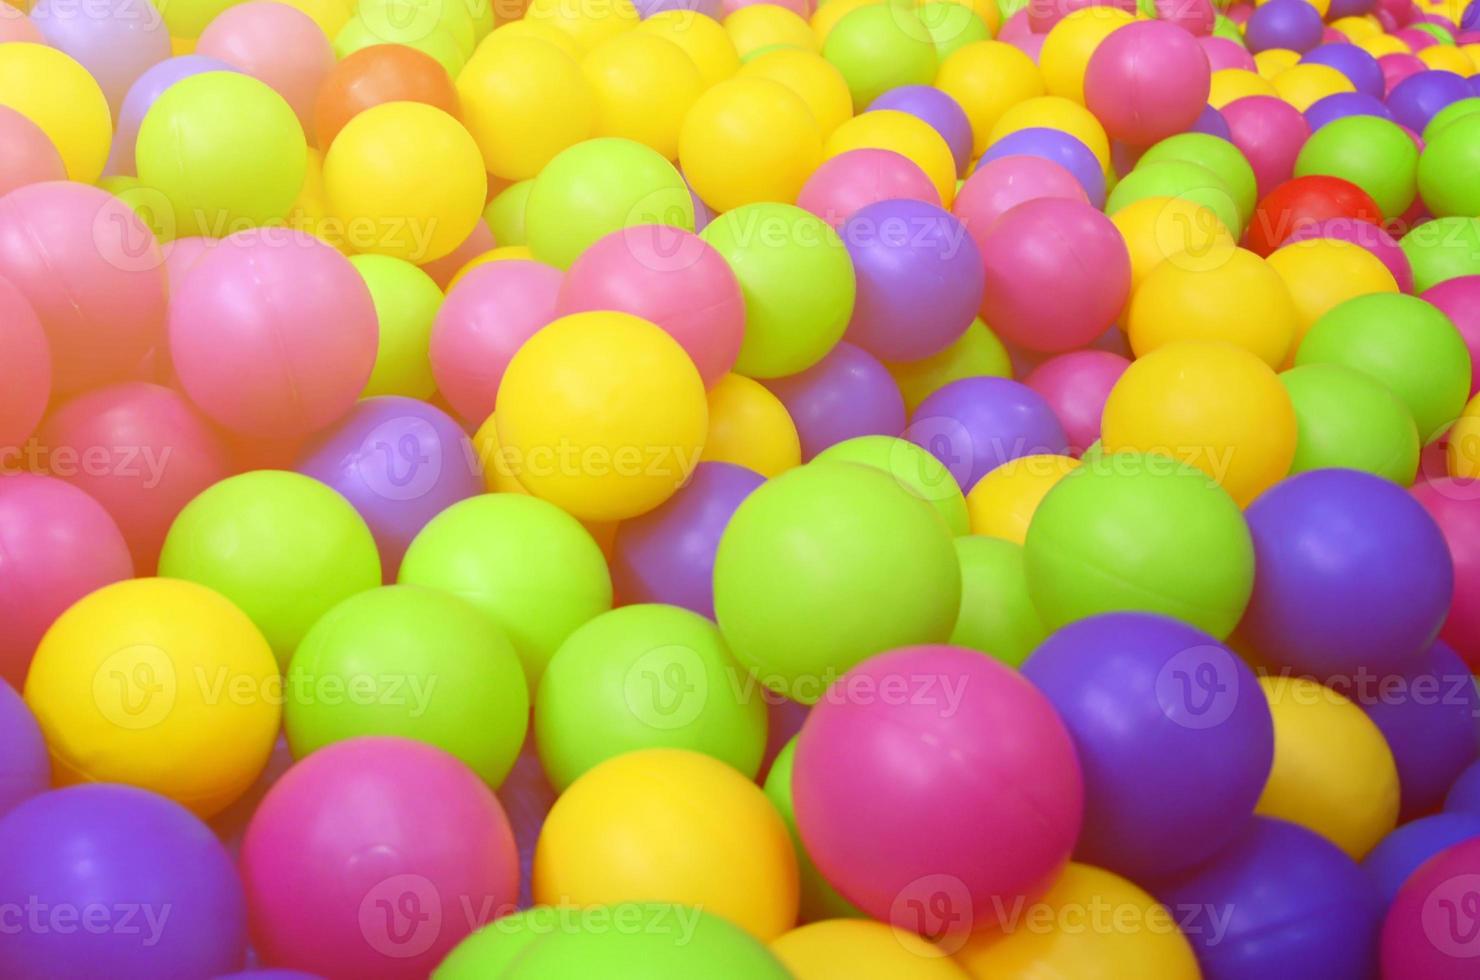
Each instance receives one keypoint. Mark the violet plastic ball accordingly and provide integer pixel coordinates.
(974, 425)
(1291, 24)
(25, 769)
(943, 113)
(1357, 65)
(1211, 122)
(1419, 97)
(848, 393)
(1061, 148)
(709, 8)
(1343, 104)
(1464, 795)
(1349, 8)
(1402, 852)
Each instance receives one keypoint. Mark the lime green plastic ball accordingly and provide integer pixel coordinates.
(1369, 151)
(187, 18)
(1218, 155)
(1435, 31)
(827, 565)
(436, 42)
(406, 303)
(1178, 178)
(225, 150)
(531, 566)
(600, 186)
(997, 613)
(644, 677)
(797, 280)
(1449, 167)
(952, 26)
(1223, 26)
(819, 899)
(496, 947)
(505, 213)
(1442, 249)
(1453, 112)
(1406, 344)
(412, 662)
(1349, 420)
(285, 548)
(915, 470)
(880, 47)
(1138, 532)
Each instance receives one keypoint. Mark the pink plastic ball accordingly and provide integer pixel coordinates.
(1269, 132)
(1058, 274)
(273, 333)
(1000, 185)
(1415, 38)
(16, 26)
(1147, 81)
(486, 318)
(142, 451)
(1459, 299)
(1373, 238)
(479, 240)
(669, 276)
(277, 45)
(374, 857)
(1223, 53)
(115, 40)
(1429, 932)
(58, 544)
(858, 178)
(1454, 504)
(933, 810)
(92, 272)
(1076, 386)
(181, 255)
(1397, 67)
(1044, 14)
(27, 155)
(1196, 17)
(27, 365)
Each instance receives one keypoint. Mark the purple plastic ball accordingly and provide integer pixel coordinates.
(1342, 104)
(667, 554)
(1291, 24)
(846, 394)
(400, 462)
(1279, 903)
(709, 8)
(943, 113)
(1349, 8)
(975, 425)
(1419, 97)
(144, 888)
(115, 40)
(1360, 68)
(1464, 795)
(1061, 148)
(1350, 574)
(920, 279)
(24, 767)
(1402, 851)
(1212, 123)
(1174, 737)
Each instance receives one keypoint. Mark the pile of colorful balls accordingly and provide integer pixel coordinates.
(678, 489)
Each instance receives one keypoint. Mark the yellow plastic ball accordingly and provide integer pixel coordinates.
(1382, 44)
(1231, 84)
(1002, 503)
(407, 181)
(1056, 112)
(1157, 228)
(1333, 771)
(540, 30)
(907, 135)
(702, 38)
(1357, 28)
(828, 14)
(588, 22)
(500, 467)
(1210, 404)
(157, 683)
(644, 86)
(1463, 452)
(1092, 925)
(1472, 51)
(811, 77)
(862, 949)
(762, 25)
(748, 426)
(1304, 85)
(607, 412)
(987, 78)
(1324, 272)
(669, 825)
(61, 98)
(1067, 48)
(748, 140)
(1271, 61)
(976, 353)
(1241, 299)
(330, 15)
(524, 100)
(1447, 57)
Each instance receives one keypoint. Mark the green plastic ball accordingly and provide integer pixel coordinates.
(881, 47)
(413, 662)
(285, 548)
(646, 677)
(505, 213)
(1178, 178)
(819, 899)
(827, 565)
(1435, 31)
(952, 26)
(1144, 533)
(600, 186)
(1225, 27)
(531, 566)
(406, 304)
(1406, 344)
(797, 280)
(1449, 169)
(1442, 249)
(496, 947)
(1349, 420)
(1218, 155)
(1369, 151)
(915, 469)
(997, 612)
(1453, 112)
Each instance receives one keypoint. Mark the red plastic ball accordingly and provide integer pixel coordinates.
(1307, 201)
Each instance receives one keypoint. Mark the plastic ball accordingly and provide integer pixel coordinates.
(750, 427)
(1052, 112)
(1451, 113)
(862, 949)
(819, 900)
(1219, 294)
(373, 76)
(1440, 250)
(1323, 274)
(749, 140)
(644, 86)
(1402, 852)
(115, 41)
(987, 78)
(612, 836)
(811, 78)
(702, 39)
(288, 51)
(1228, 85)
(1348, 419)
(1343, 105)
(27, 154)
(1076, 385)
(1216, 154)
(1372, 153)
(25, 768)
(976, 424)
(908, 135)
(932, 840)
(1002, 503)
(880, 47)
(977, 353)
(817, 538)
(1290, 24)
(1226, 54)
(1147, 81)
(997, 615)
(1419, 97)
(1183, 179)
(1452, 503)
(525, 101)
(773, 25)
(1372, 237)
(1059, 147)
(1451, 153)
(23, 346)
(1042, 18)
(406, 302)
(857, 178)
(1071, 42)
(530, 566)
(1464, 794)
(1269, 132)
(953, 25)
(1304, 202)
(353, 849)
(999, 185)
(1357, 65)
(1426, 933)
(914, 468)
(586, 25)
(943, 113)
(59, 96)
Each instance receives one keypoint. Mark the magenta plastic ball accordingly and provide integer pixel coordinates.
(997, 186)
(27, 154)
(115, 40)
(846, 394)
(919, 279)
(373, 857)
(1269, 132)
(975, 425)
(1429, 932)
(669, 276)
(901, 801)
(1223, 53)
(1419, 97)
(25, 769)
(1373, 238)
(1360, 67)
(1459, 299)
(1290, 24)
(273, 333)
(667, 554)
(1058, 274)
(1076, 386)
(1147, 81)
(943, 113)
(1058, 146)
(858, 178)
(27, 358)
(1196, 17)
(1398, 67)
(485, 319)
(1044, 14)
(400, 462)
